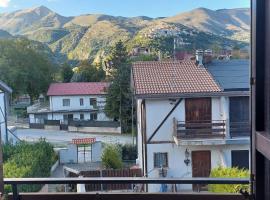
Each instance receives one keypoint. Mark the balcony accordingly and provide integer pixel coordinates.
(123, 195)
(214, 129)
(239, 129)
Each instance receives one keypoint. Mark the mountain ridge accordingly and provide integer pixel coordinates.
(89, 35)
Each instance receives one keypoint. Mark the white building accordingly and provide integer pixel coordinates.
(5, 91)
(72, 103)
(191, 118)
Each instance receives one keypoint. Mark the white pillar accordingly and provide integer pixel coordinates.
(81, 187)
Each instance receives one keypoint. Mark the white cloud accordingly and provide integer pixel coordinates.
(4, 3)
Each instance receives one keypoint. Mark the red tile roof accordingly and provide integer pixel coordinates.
(87, 88)
(172, 77)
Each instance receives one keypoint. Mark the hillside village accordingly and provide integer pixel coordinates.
(156, 98)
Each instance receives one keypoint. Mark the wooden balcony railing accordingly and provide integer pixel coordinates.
(239, 129)
(199, 129)
(16, 195)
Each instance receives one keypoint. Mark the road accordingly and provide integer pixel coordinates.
(62, 138)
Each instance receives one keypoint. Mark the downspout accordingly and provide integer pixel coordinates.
(142, 133)
(145, 143)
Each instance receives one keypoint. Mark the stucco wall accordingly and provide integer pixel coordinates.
(56, 102)
(156, 110)
(220, 155)
(68, 155)
(95, 129)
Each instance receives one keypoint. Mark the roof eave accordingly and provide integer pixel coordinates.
(192, 95)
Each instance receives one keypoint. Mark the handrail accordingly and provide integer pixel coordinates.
(14, 182)
(125, 180)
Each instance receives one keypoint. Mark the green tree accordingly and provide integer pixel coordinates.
(26, 70)
(111, 157)
(88, 72)
(119, 98)
(66, 73)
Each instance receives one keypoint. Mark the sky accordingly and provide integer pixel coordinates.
(126, 8)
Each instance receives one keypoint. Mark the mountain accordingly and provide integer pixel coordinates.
(5, 34)
(90, 36)
(234, 23)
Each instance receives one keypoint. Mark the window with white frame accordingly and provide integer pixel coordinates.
(66, 102)
(81, 116)
(93, 116)
(160, 160)
(81, 101)
(93, 102)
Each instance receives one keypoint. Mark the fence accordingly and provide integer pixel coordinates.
(108, 173)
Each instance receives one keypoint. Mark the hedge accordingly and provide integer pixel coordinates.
(234, 172)
(28, 160)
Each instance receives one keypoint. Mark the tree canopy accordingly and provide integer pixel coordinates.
(24, 69)
(66, 73)
(88, 72)
(119, 98)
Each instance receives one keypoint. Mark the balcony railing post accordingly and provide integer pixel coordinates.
(15, 192)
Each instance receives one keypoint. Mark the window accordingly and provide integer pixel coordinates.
(81, 116)
(240, 159)
(93, 116)
(66, 102)
(81, 101)
(93, 102)
(160, 160)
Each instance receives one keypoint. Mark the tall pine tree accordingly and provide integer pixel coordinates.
(119, 97)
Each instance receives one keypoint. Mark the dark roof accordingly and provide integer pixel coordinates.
(232, 75)
(85, 88)
(4, 87)
(172, 77)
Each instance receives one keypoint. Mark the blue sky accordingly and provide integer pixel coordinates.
(152, 8)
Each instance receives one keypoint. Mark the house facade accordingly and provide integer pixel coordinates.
(5, 91)
(191, 118)
(75, 105)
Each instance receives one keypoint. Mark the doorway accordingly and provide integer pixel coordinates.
(201, 167)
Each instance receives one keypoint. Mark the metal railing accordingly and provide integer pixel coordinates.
(199, 129)
(16, 195)
(239, 129)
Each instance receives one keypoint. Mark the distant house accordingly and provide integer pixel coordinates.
(5, 92)
(191, 117)
(76, 105)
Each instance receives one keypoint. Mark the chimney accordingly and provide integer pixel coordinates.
(207, 58)
(199, 57)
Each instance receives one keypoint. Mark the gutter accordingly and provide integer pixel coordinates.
(192, 95)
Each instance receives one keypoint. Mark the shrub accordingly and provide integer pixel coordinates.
(234, 172)
(111, 157)
(28, 160)
(129, 152)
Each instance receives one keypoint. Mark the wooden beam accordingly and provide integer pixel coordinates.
(263, 144)
(164, 120)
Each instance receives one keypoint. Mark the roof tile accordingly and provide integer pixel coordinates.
(84, 88)
(171, 77)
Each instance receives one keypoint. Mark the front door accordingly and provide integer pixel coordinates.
(201, 167)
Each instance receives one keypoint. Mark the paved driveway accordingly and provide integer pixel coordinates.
(60, 138)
